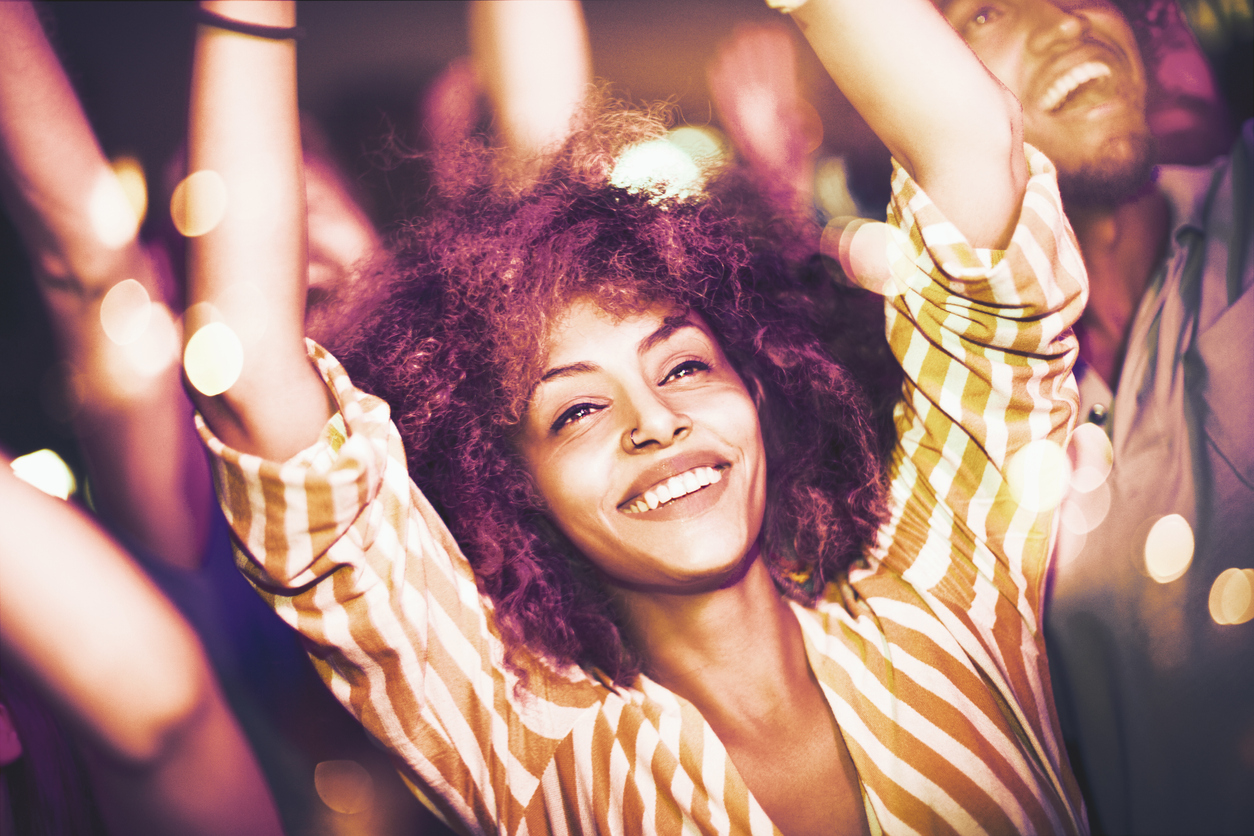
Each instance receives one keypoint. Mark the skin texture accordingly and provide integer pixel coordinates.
(624, 405)
(1099, 136)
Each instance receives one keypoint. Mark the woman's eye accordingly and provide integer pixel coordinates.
(686, 369)
(576, 413)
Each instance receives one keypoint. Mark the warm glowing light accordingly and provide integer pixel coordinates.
(1083, 511)
(872, 254)
(704, 145)
(130, 174)
(199, 203)
(831, 188)
(1091, 457)
(1169, 548)
(344, 786)
(45, 470)
(243, 307)
(125, 311)
(157, 348)
(1232, 596)
(112, 218)
(660, 167)
(213, 359)
(1038, 474)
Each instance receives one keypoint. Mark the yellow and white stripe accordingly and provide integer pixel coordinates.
(930, 656)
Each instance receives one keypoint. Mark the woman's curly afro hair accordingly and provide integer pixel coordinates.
(455, 339)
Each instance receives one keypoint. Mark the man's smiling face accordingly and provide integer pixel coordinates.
(1076, 69)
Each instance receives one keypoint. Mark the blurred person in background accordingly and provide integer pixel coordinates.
(100, 644)
(1149, 615)
(114, 302)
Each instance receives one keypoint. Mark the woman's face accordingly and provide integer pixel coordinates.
(645, 445)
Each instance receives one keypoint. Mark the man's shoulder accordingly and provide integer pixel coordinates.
(1192, 190)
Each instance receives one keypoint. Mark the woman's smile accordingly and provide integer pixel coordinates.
(645, 445)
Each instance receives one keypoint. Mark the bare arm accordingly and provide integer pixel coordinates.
(134, 424)
(532, 57)
(945, 118)
(116, 656)
(244, 127)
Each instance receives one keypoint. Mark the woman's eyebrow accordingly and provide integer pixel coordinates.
(567, 371)
(664, 333)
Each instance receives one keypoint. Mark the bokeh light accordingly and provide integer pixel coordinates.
(199, 203)
(213, 358)
(113, 219)
(1091, 457)
(47, 471)
(1038, 475)
(130, 174)
(1083, 511)
(706, 146)
(831, 188)
(344, 786)
(1169, 548)
(658, 166)
(1232, 596)
(872, 254)
(125, 311)
(157, 347)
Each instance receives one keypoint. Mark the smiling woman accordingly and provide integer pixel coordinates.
(589, 528)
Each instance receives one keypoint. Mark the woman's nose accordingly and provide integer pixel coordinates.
(657, 424)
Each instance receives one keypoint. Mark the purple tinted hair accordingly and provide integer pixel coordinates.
(455, 334)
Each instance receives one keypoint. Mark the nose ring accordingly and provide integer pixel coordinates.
(631, 436)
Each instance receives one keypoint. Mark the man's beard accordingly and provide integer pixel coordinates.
(1109, 181)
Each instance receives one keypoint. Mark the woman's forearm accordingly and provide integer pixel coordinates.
(244, 142)
(944, 117)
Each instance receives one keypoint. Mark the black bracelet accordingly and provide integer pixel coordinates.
(257, 30)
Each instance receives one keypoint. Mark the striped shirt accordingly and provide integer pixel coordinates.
(930, 653)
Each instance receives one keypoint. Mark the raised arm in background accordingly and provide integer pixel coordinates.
(147, 472)
(244, 133)
(114, 655)
(532, 57)
(945, 118)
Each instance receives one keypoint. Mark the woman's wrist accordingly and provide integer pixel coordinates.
(267, 13)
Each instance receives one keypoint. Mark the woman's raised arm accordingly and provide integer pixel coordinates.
(944, 117)
(244, 143)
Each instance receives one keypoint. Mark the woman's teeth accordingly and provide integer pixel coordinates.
(1071, 81)
(673, 488)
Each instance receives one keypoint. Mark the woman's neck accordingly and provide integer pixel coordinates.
(736, 653)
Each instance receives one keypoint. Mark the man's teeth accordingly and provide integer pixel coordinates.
(1072, 79)
(674, 488)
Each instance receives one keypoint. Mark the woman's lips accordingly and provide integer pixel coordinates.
(701, 486)
(674, 488)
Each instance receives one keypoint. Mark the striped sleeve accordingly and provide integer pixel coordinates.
(343, 546)
(985, 340)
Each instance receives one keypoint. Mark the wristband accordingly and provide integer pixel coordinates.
(257, 30)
